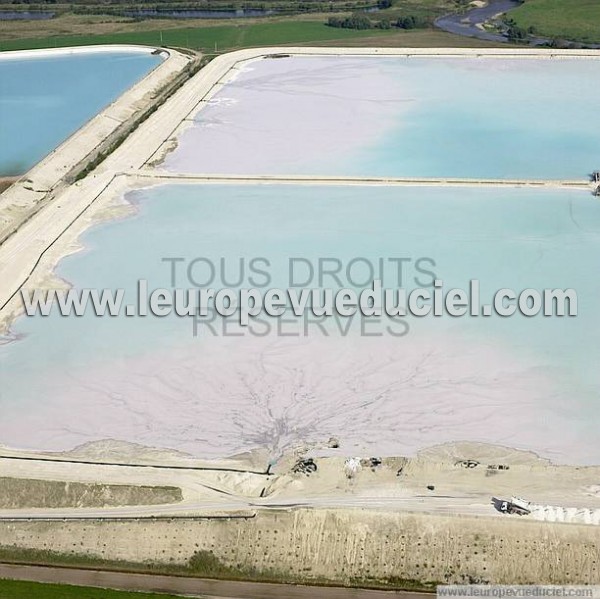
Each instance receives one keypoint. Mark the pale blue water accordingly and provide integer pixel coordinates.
(147, 379)
(9, 15)
(400, 117)
(493, 119)
(43, 100)
(198, 14)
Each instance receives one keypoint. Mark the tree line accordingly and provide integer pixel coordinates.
(361, 21)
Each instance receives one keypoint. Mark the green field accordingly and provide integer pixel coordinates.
(561, 19)
(10, 589)
(222, 38)
(71, 28)
(207, 39)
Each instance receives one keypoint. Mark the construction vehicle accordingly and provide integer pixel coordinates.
(305, 466)
(516, 505)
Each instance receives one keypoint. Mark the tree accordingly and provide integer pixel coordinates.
(354, 21)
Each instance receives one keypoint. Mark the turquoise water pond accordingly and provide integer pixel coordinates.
(525, 382)
(44, 98)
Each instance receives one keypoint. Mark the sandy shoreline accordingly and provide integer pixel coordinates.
(243, 481)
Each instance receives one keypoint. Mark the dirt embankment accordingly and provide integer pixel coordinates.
(16, 493)
(342, 546)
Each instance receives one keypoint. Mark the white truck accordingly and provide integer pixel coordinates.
(516, 505)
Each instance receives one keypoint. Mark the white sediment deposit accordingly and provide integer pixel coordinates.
(376, 394)
(551, 513)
